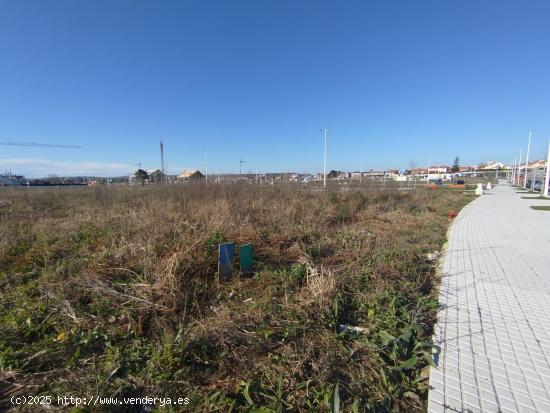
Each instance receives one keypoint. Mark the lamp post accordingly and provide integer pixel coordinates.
(527, 160)
(325, 158)
(547, 177)
(205, 168)
(519, 165)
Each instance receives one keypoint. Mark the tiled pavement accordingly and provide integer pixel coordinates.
(494, 324)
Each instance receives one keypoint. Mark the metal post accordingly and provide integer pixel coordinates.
(527, 160)
(162, 158)
(325, 159)
(519, 166)
(547, 176)
(240, 168)
(205, 168)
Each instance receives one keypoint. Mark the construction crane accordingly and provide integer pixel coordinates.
(43, 145)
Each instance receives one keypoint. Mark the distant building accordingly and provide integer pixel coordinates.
(439, 169)
(373, 173)
(189, 175)
(491, 165)
(155, 175)
(418, 171)
(9, 179)
(539, 164)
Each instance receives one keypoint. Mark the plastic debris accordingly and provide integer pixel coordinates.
(352, 329)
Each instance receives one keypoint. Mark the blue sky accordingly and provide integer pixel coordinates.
(395, 82)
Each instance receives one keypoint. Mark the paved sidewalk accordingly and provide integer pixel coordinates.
(494, 323)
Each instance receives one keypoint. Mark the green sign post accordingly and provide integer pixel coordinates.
(245, 258)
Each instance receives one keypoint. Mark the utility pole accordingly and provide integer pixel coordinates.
(361, 172)
(428, 175)
(325, 158)
(162, 157)
(240, 167)
(527, 159)
(547, 176)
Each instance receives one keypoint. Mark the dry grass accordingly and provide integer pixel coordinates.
(113, 291)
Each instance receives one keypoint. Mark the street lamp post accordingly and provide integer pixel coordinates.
(205, 168)
(547, 177)
(325, 158)
(519, 166)
(515, 170)
(527, 160)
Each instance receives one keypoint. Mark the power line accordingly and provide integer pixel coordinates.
(43, 145)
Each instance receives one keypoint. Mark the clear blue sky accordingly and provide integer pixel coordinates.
(395, 81)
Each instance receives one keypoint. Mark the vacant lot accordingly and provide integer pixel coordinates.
(114, 292)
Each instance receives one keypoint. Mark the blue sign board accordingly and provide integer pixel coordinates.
(225, 260)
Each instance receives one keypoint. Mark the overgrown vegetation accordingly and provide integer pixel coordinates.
(113, 291)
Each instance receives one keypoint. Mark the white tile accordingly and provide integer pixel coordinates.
(495, 265)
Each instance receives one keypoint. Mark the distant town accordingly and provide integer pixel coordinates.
(153, 176)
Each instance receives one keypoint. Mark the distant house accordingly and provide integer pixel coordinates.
(418, 171)
(189, 175)
(541, 164)
(491, 165)
(155, 175)
(373, 172)
(439, 169)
